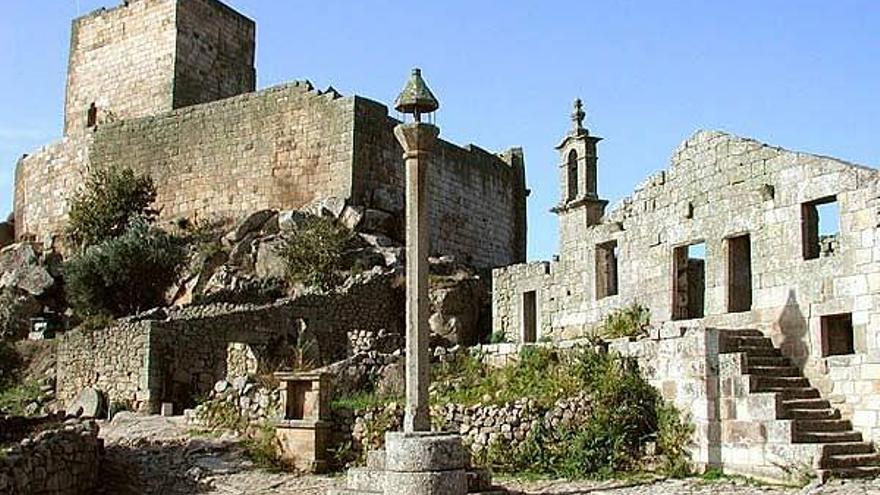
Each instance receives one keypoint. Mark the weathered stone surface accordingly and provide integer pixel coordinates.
(250, 224)
(427, 483)
(456, 305)
(88, 404)
(20, 268)
(351, 217)
(422, 452)
(7, 233)
(269, 263)
(378, 221)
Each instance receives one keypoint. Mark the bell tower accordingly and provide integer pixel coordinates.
(579, 205)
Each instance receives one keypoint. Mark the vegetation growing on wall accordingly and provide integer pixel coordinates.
(628, 321)
(110, 199)
(625, 412)
(315, 252)
(125, 274)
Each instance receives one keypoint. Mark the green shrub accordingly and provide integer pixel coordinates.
(110, 199)
(123, 275)
(629, 321)
(498, 338)
(315, 252)
(673, 439)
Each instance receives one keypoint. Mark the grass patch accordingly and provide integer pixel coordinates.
(628, 321)
(362, 400)
(15, 399)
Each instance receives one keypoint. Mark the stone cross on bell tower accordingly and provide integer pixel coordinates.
(578, 164)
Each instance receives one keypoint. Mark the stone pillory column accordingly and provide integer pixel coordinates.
(417, 139)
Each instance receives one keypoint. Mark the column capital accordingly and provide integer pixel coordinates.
(416, 138)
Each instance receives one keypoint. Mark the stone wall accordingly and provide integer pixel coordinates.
(179, 354)
(44, 182)
(477, 199)
(215, 53)
(121, 60)
(60, 460)
(150, 56)
(719, 187)
(114, 360)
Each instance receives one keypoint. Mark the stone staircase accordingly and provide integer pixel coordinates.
(841, 451)
(369, 480)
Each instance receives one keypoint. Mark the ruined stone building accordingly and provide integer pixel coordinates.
(166, 87)
(733, 235)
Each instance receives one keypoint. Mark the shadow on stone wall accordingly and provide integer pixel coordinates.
(792, 325)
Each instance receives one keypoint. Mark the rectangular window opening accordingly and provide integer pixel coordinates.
(689, 281)
(820, 227)
(606, 269)
(739, 274)
(837, 335)
(530, 317)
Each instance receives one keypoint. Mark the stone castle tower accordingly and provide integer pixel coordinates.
(147, 57)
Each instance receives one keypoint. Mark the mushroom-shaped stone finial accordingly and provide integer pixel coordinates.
(416, 98)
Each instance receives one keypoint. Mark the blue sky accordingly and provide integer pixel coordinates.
(801, 74)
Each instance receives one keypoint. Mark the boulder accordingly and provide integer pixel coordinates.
(269, 263)
(455, 310)
(377, 240)
(251, 223)
(351, 217)
(379, 221)
(17, 307)
(392, 380)
(241, 254)
(88, 404)
(20, 268)
(331, 206)
(289, 220)
(7, 233)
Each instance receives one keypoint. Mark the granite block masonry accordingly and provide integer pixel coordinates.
(166, 87)
(735, 235)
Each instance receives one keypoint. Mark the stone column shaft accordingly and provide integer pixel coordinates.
(417, 140)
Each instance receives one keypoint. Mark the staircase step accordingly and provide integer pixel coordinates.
(824, 425)
(769, 361)
(810, 403)
(789, 393)
(842, 473)
(845, 448)
(376, 459)
(743, 332)
(812, 414)
(782, 371)
(827, 436)
(763, 382)
(850, 460)
(752, 352)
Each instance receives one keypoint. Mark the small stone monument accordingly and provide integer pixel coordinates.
(417, 461)
(304, 430)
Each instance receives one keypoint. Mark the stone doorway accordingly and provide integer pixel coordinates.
(739, 274)
(689, 281)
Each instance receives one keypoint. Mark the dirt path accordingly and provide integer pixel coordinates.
(157, 455)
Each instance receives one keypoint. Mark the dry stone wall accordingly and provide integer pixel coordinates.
(720, 187)
(62, 459)
(179, 354)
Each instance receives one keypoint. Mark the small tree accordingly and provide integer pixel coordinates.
(124, 274)
(315, 252)
(108, 202)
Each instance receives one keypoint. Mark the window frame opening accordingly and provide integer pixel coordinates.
(689, 281)
(837, 337)
(816, 240)
(607, 263)
(739, 273)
